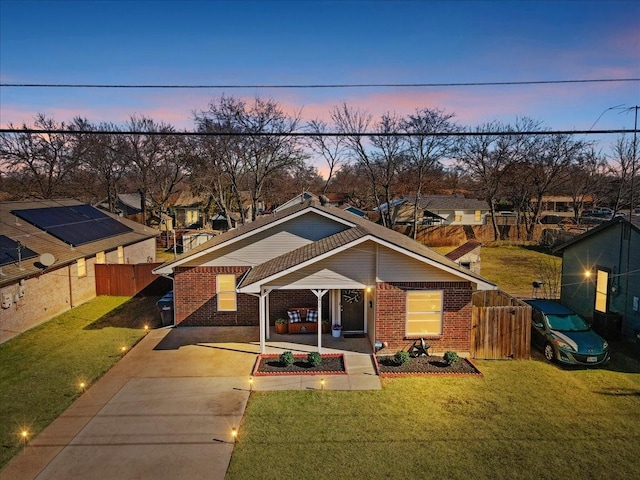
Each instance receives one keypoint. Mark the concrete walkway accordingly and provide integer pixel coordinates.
(166, 410)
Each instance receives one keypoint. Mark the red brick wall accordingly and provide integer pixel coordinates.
(196, 302)
(391, 309)
(282, 300)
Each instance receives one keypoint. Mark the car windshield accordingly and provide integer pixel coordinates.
(567, 323)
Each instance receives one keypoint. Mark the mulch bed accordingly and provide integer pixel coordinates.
(386, 366)
(269, 364)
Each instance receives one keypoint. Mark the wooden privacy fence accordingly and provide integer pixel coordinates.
(500, 326)
(129, 280)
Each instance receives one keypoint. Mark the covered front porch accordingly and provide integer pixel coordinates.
(351, 309)
(308, 342)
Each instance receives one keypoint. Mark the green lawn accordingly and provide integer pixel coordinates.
(523, 420)
(42, 368)
(514, 267)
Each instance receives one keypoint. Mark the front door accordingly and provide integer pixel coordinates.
(352, 310)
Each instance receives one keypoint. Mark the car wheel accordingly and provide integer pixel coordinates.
(549, 354)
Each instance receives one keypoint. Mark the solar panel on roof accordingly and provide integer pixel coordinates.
(12, 251)
(75, 225)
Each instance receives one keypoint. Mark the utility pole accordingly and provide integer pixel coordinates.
(633, 159)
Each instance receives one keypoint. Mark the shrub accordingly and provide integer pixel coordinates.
(281, 321)
(451, 357)
(314, 358)
(401, 357)
(286, 358)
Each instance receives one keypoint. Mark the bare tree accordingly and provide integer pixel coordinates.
(263, 142)
(488, 161)
(146, 152)
(101, 159)
(425, 151)
(382, 158)
(622, 169)
(330, 148)
(548, 164)
(42, 162)
(586, 179)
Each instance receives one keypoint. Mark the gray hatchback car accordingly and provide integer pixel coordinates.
(564, 336)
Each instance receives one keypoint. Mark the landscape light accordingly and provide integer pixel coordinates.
(250, 383)
(234, 434)
(24, 434)
(146, 328)
(82, 386)
(123, 349)
(322, 383)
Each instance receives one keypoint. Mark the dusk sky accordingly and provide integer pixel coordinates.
(323, 42)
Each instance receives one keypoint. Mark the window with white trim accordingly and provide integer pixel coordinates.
(478, 216)
(602, 288)
(226, 293)
(424, 312)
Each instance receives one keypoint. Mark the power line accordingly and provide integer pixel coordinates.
(317, 85)
(464, 133)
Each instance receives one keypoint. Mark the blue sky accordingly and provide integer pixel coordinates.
(322, 42)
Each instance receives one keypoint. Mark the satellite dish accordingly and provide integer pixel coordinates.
(47, 259)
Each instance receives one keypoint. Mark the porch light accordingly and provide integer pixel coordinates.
(368, 289)
(587, 273)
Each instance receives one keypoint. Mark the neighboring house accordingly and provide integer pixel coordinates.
(467, 255)
(358, 274)
(563, 205)
(328, 200)
(48, 249)
(439, 210)
(129, 205)
(188, 211)
(601, 275)
(297, 200)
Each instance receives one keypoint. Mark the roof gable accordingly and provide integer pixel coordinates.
(634, 224)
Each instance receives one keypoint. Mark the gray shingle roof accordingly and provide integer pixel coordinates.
(302, 254)
(362, 228)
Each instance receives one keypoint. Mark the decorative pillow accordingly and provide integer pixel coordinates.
(294, 316)
(312, 315)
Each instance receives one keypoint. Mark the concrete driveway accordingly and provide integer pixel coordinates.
(165, 411)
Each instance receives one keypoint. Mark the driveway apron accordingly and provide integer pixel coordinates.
(166, 410)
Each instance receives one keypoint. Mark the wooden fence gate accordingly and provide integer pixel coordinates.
(500, 327)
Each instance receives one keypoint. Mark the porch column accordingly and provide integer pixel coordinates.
(264, 320)
(319, 294)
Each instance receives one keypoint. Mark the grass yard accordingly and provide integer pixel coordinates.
(514, 267)
(43, 367)
(523, 420)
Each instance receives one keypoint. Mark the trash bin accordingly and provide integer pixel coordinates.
(165, 307)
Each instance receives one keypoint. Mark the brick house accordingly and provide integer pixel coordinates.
(48, 250)
(357, 274)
